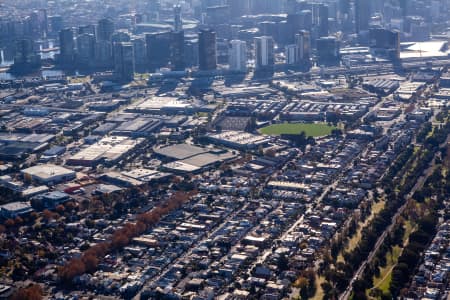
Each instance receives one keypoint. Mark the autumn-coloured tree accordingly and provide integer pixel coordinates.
(70, 205)
(90, 262)
(18, 220)
(121, 238)
(10, 223)
(60, 208)
(48, 215)
(34, 215)
(74, 268)
(2, 229)
(33, 292)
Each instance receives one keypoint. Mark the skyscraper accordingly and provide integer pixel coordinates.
(67, 46)
(384, 42)
(103, 54)
(291, 54)
(328, 51)
(124, 61)
(177, 51)
(56, 25)
(25, 57)
(177, 20)
(140, 54)
(293, 25)
(158, 49)
(362, 15)
(177, 41)
(86, 49)
(105, 30)
(207, 50)
(322, 20)
(303, 43)
(264, 53)
(89, 29)
(238, 8)
(238, 56)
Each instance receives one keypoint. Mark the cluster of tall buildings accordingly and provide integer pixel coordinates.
(210, 34)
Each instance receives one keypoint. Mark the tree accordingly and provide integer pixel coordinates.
(60, 208)
(359, 289)
(283, 263)
(47, 214)
(10, 223)
(90, 262)
(74, 268)
(33, 292)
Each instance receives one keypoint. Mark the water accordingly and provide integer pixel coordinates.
(3, 61)
(6, 76)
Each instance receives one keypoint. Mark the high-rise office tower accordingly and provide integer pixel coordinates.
(322, 24)
(207, 49)
(67, 46)
(42, 22)
(238, 56)
(292, 6)
(362, 15)
(177, 41)
(177, 20)
(238, 8)
(56, 25)
(140, 54)
(124, 61)
(26, 57)
(121, 36)
(88, 29)
(191, 53)
(158, 49)
(384, 42)
(105, 30)
(303, 43)
(306, 20)
(264, 53)
(293, 25)
(86, 49)
(153, 8)
(218, 14)
(103, 54)
(177, 51)
(328, 51)
(291, 54)
(265, 6)
(344, 7)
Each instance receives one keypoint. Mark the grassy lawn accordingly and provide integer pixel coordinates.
(310, 129)
(319, 291)
(383, 281)
(354, 240)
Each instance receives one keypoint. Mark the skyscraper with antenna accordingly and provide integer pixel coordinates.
(178, 22)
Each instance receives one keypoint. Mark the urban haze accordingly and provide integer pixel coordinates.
(224, 149)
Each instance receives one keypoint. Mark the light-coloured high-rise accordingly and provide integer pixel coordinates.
(238, 56)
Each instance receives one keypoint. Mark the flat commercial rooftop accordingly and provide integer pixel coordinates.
(108, 148)
(156, 104)
(47, 172)
(195, 158)
(205, 159)
(180, 151)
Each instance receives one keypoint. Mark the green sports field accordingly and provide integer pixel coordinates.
(310, 129)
